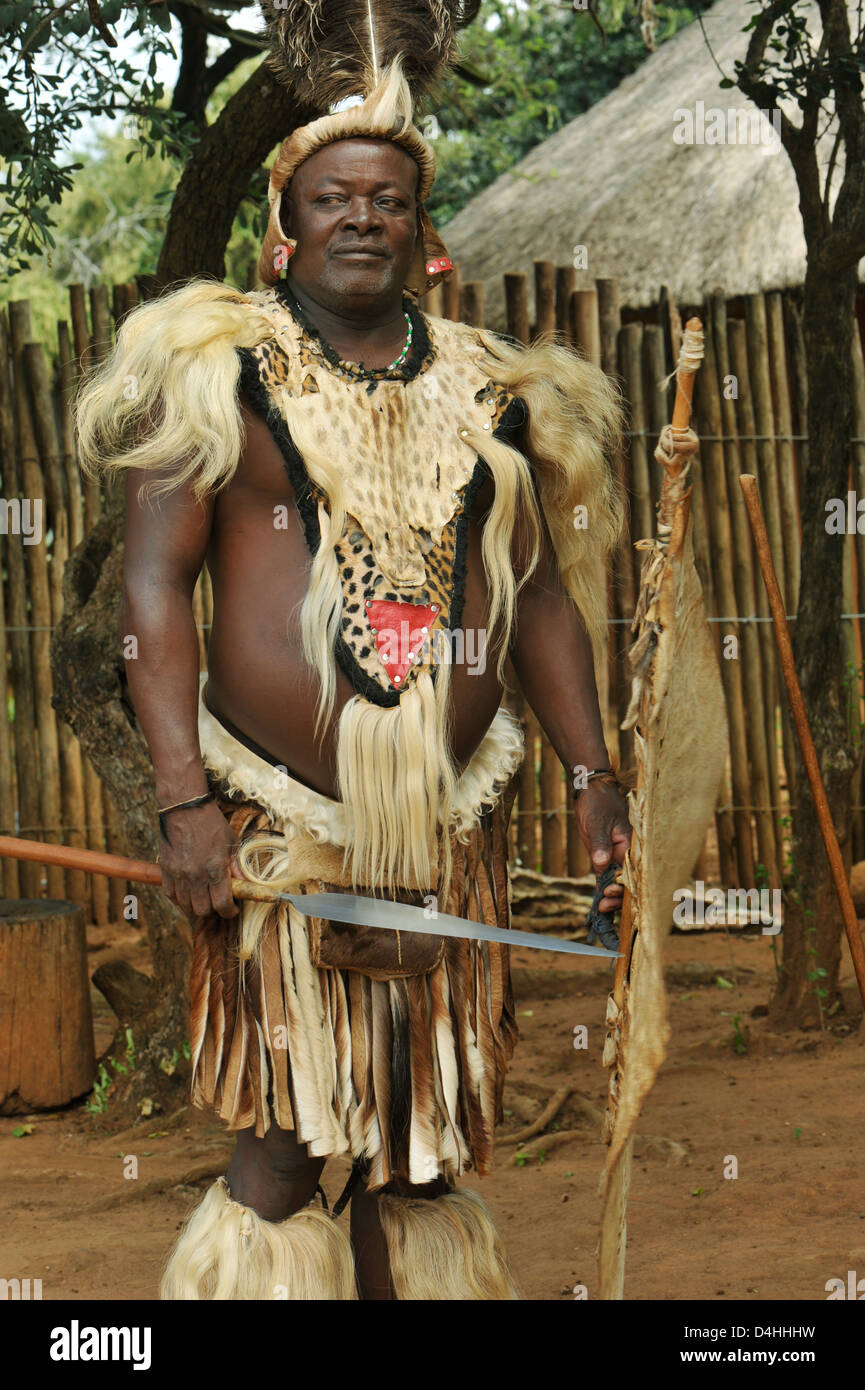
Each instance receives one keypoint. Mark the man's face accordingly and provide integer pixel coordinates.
(352, 208)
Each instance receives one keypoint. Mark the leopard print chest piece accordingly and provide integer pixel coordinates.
(408, 478)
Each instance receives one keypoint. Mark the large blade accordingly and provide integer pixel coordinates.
(377, 912)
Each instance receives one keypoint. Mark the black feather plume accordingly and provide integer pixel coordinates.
(326, 50)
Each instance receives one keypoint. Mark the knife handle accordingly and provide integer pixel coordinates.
(244, 891)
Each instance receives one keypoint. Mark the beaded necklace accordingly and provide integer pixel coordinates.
(399, 360)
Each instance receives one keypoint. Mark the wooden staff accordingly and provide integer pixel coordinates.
(748, 484)
(111, 865)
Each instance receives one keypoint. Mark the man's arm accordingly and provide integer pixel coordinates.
(552, 656)
(166, 543)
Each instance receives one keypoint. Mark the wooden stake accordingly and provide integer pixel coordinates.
(759, 794)
(767, 472)
(710, 424)
(526, 819)
(748, 484)
(71, 774)
(451, 287)
(33, 488)
(473, 303)
(747, 428)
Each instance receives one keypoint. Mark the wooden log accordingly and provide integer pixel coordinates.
(545, 297)
(585, 328)
(72, 820)
(80, 328)
(36, 565)
(100, 346)
(789, 503)
(609, 322)
(11, 880)
(9, 877)
(525, 818)
(743, 583)
(451, 285)
(553, 806)
(100, 317)
(656, 399)
(434, 302)
(767, 473)
(68, 386)
(622, 574)
(18, 616)
(118, 298)
(46, 1026)
(84, 360)
(736, 334)
(670, 323)
(566, 284)
(473, 303)
(767, 462)
(517, 306)
(631, 372)
(858, 483)
(708, 412)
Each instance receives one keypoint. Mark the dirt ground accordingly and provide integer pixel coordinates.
(788, 1109)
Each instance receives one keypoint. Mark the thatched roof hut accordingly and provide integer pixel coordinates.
(648, 210)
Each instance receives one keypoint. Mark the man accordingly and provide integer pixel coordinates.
(364, 483)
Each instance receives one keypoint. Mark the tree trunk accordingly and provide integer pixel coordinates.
(812, 919)
(92, 695)
(219, 174)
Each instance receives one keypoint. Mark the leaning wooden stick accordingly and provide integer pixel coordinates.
(748, 483)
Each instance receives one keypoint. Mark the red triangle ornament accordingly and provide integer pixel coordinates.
(400, 630)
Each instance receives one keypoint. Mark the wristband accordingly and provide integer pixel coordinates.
(181, 806)
(607, 774)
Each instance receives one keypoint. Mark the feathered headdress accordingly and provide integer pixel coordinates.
(385, 52)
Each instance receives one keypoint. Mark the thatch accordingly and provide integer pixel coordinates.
(648, 210)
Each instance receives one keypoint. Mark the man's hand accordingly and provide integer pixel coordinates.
(602, 820)
(197, 865)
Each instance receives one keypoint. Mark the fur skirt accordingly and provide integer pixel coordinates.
(406, 1073)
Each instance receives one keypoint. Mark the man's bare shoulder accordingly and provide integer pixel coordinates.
(261, 471)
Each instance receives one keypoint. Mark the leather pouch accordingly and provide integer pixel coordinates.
(374, 951)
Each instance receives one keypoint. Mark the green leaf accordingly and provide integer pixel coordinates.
(722, 983)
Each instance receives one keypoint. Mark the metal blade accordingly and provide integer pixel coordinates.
(377, 912)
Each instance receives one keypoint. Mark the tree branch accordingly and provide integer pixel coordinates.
(842, 247)
(209, 193)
